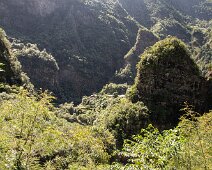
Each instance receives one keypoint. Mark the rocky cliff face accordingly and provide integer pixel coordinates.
(167, 77)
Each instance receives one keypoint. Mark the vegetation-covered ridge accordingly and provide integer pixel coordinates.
(11, 72)
(166, 78)
(127, 74)
(38, 63)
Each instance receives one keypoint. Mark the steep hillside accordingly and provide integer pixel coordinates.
(40, 65)
(88, 39)
(189, 21)
(127, 74)
(130, 93)
(200, 9)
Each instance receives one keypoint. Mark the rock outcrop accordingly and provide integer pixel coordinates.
(11, 70)
(38, 64)
(167, 78)
(144, 40)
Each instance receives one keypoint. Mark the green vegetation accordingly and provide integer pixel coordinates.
(188, 146)
(166, 78)
(22, 50)
(161, 122)
(32, 137)
(152, 149)
(12, 73)
(123, 119)
(201, 48)
(112, 89)
(112, 113)
(38, 63)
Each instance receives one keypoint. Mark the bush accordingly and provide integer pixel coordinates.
(112, 88)
(32, 137)
(188, 146)
(152, 149)
(123, 119)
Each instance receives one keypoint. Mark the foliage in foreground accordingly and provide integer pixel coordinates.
(186, 147)
(32, 137)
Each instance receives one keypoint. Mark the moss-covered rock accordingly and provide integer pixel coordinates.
(167, 77)
(10, 69)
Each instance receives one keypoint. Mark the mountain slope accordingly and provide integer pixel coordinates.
(88, 39)
(189, 21)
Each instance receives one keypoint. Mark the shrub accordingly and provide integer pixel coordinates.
(32, 137)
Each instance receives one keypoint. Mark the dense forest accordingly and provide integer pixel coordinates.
(105, 84)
